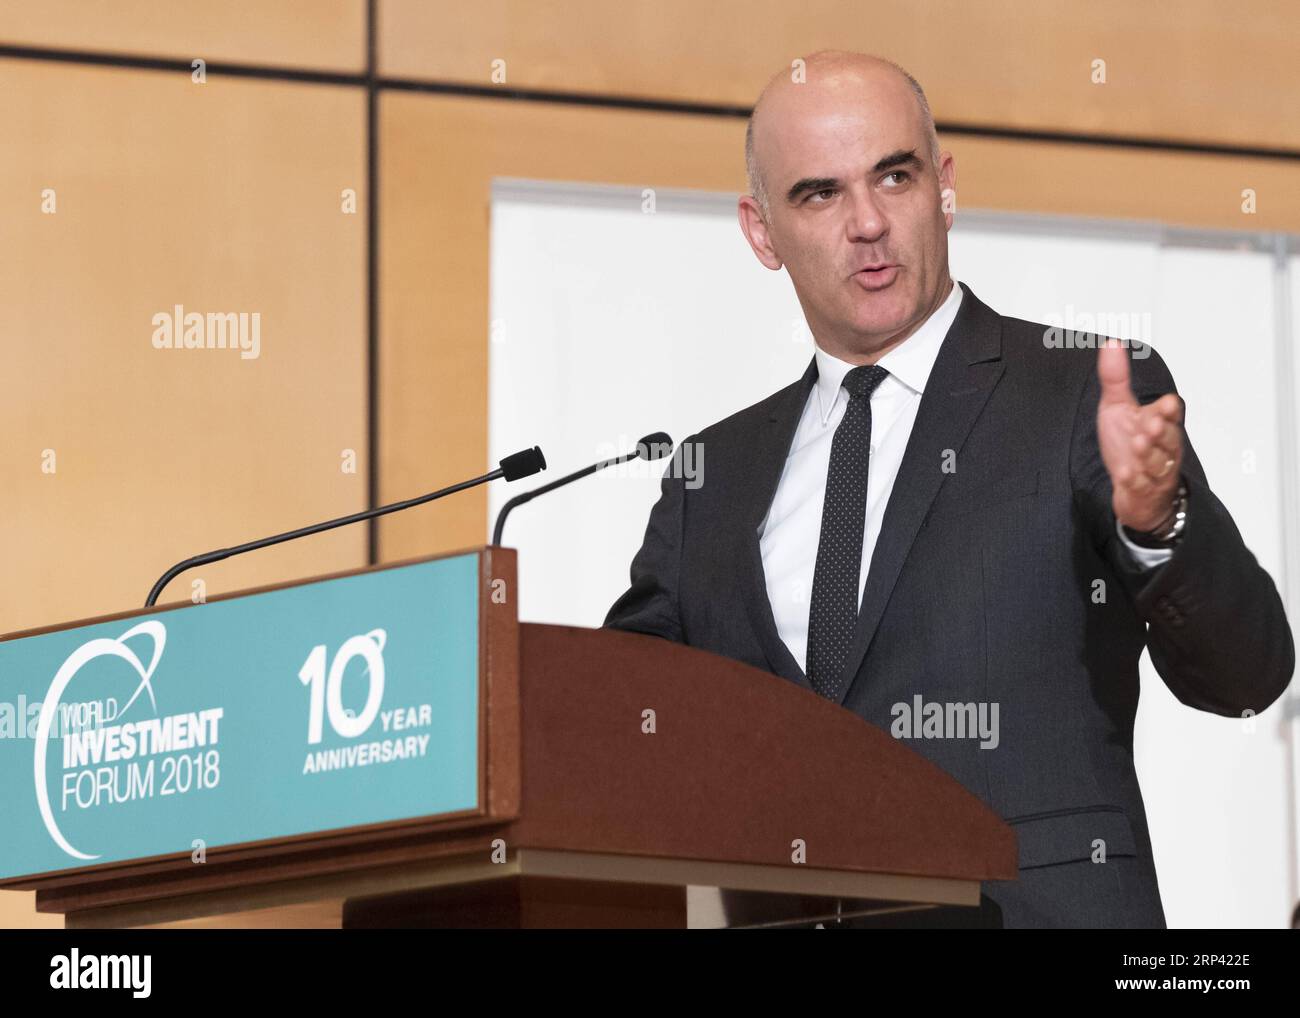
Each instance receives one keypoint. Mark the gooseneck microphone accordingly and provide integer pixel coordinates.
(652, 447)
(512, 468)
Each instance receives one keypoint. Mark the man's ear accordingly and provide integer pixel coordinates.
(947, 186)
(753, 226)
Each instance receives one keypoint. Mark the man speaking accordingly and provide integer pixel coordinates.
(950, 507)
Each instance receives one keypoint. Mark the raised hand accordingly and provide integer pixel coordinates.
(1142, 446)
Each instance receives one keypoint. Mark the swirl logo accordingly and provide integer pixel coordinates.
(77, 660)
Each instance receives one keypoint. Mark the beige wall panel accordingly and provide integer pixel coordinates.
(317, 34)
(1123, 183)
(439, 155)
(223, 197)
(1199, 70)
(18, 911)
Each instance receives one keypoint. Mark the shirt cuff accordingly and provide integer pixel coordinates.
(1148, 558)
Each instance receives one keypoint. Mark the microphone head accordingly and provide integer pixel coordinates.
(523, 464)
(654, 447)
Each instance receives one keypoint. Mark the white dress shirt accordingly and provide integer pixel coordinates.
(789, 534)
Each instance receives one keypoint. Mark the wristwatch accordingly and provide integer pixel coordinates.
(1167, 533)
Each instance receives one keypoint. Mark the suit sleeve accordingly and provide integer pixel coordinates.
(650, 605)
(1217, 631)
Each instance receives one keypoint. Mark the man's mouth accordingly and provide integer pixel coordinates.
(877, 276)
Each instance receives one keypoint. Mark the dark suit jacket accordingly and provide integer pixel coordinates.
(983, 588)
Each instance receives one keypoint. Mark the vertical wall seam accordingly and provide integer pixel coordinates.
(372, 284)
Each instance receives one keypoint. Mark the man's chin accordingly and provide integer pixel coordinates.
(883, 319)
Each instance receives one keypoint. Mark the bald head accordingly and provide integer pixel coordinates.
(852, 197)
(823, 79)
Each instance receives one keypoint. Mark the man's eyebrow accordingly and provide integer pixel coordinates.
(899, 158)
(811, 185)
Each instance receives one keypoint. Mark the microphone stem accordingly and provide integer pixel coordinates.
(528, 496)
(315, 528)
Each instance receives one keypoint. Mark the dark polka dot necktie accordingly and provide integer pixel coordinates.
(833, 613)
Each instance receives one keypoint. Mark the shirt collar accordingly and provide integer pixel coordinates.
(910, 362)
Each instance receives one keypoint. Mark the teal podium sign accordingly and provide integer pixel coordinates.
(332, 704)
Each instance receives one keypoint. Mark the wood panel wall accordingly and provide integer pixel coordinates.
(318, 34)
(1198, 70)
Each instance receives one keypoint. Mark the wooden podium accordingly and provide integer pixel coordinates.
(621, 777)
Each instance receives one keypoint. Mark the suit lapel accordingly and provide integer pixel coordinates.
(967, 368)
(771, 447)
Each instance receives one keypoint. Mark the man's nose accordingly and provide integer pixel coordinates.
(866, 220)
